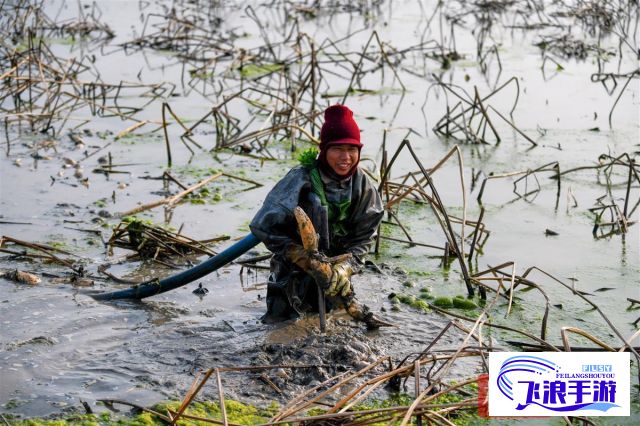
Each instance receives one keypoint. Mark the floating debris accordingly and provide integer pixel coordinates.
(40, 340)
(154, 242)
(21, 277)
(200, 291)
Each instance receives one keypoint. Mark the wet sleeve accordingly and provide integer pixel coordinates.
(275, 224)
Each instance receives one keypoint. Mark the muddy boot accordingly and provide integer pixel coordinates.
(362, 313)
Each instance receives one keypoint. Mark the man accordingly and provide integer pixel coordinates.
(354, 213)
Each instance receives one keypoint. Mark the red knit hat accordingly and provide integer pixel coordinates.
(339, 128)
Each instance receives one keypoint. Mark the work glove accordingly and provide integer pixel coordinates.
(340, 280)
(310, 263)
(296, 254)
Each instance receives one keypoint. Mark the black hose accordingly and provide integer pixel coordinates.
(151, 288)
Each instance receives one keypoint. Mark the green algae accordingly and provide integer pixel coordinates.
(101, 203)
(137, 220)
(357, 91)
(13, 403)
(224, 189)
(458, 302)
(201, 74)
(205, 196)
(420, 301)
(70, 40)
(245, 226)
(292, 149)
(425, 274)
(255, 70)
(76, 419)
(425, 296)
(414, 302)
(394, 400)
(236, 413)
(137, 224)
(461, 302)
(195, 172)
(425, 293)
(243, 414)
(59, 245)
(138, 139)
(459, 417)
(443, 302)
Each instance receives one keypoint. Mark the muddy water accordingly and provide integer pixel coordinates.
(59, 346)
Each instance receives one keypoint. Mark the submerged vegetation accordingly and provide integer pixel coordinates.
(236, 413)
(241, 414)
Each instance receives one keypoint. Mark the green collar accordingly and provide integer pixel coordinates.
(337, 212)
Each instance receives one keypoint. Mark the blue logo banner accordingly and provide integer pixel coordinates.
(559, 384)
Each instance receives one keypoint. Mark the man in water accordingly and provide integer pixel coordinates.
(354, 212)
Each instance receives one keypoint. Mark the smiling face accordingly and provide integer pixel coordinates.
(341, 158)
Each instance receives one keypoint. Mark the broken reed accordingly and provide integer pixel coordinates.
(283, 97)
(24, 16)
(172, 201)
(419, 187)
(152, 241)
(469, 121)
(619, 214)
(281, 83)
(42, 91)
(212, 64)
(44, 252)
(611, 215)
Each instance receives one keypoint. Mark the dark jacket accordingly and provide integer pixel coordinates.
(291, 291)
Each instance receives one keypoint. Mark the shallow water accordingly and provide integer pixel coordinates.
(144, 352)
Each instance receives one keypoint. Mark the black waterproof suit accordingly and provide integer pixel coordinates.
(290, 291)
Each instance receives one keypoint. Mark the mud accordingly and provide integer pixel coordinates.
(67, 188)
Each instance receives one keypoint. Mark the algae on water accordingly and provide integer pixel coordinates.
(237, 413)
(259, 70)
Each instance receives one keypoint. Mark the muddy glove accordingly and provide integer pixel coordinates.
(340, 280)
(309, 262)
